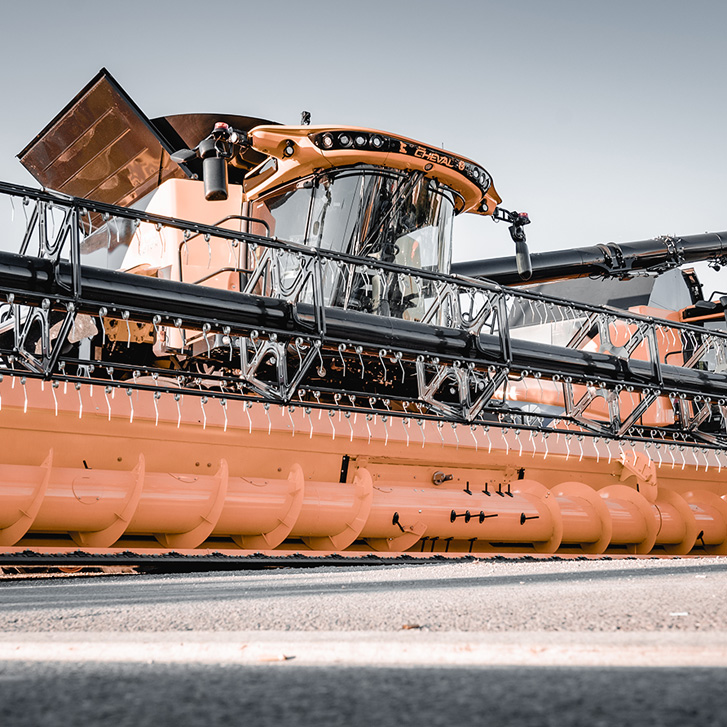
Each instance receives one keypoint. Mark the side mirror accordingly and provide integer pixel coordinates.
(214, 151)
(214, 171)
(517, 221)
(522, 259)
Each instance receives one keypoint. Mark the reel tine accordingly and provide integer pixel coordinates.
(129, 393)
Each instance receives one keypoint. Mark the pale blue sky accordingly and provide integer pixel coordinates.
(603, 120)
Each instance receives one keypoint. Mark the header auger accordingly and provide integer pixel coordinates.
(279, 360)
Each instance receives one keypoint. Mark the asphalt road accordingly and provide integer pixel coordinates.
(496, 642)
(615, 595)
(271, 695)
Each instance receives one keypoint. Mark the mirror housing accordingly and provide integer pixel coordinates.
(214, 171)
(522, 259)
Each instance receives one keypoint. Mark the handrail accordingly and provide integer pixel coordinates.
(216, 224)
(243, 271)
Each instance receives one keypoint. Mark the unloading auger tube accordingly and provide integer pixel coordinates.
(147, 415)
(609, 260)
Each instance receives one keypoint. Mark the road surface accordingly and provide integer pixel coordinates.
(495, 642)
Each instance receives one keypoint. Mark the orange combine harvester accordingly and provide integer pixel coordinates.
(256, 344)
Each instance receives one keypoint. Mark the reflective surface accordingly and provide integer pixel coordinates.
(398, 218)
(102, 147)
(392, 217)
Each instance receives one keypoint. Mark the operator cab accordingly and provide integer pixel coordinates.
(350, 191)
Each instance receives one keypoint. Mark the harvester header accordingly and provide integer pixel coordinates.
(219, 334)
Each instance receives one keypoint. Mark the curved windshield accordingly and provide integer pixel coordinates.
(397, 217)
(403, 218)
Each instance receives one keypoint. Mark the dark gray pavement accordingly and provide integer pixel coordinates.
(640, 642)
(136, 695)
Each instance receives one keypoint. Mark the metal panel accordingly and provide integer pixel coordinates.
(102, 147)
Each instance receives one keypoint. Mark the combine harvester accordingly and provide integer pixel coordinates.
(255, 345)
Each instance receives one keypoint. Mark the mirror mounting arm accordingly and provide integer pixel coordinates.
(221, 145)
(517, 221)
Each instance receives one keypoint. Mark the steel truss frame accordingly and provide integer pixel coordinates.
(317, 329)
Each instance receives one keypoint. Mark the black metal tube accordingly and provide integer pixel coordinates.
(30, 279)
(607, 260)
